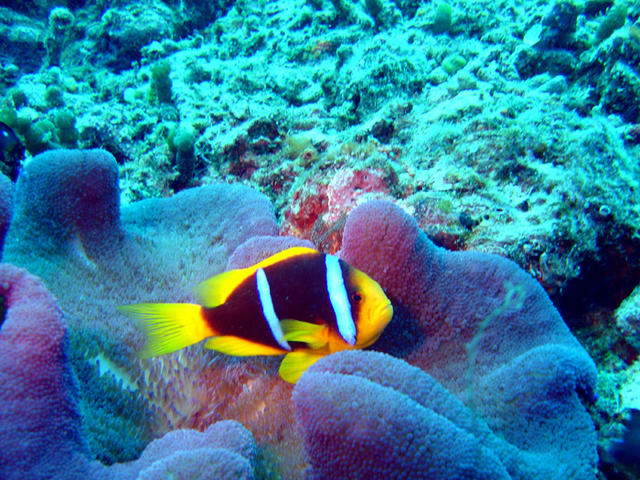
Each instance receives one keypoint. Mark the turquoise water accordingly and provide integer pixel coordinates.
(144, 144)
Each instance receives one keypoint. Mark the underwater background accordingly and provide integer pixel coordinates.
(479, 159)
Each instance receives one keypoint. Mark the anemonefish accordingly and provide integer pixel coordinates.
(300, 303)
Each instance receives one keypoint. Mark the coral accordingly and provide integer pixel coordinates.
(197, 14)
(443, 18)
(349, 187)
(533, 61)
(9, 116)
(342, 10)
(39, 406)
(22, 46)
(307, 206)
(199, 464)
(560, 198)
(477, 324)
(258, 248)
(559, 25)
(68, 228)
(318, 211)
(53, 96)
(117, 422)
(621, 93)
(596, 7)
(124, 31)
(452, 63)
(626, 452)
(225, 450)
(225, 434)
(60, 23)
(39, 136)
(362, 91)
(408, 7)
(614, 19)
(375, 9)
(160, 89)
(18, 97)
(367, 415)
(627, 317)
(484, 329)
(39, 422)
(56, 205)
(181, 142)
(66, 130)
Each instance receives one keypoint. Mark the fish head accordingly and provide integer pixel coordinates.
(371, 307)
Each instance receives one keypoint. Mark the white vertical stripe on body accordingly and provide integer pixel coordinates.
(340, 300)
(264, 293)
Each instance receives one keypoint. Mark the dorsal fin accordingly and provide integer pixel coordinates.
(215, 290)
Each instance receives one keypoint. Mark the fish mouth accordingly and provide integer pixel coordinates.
(386, 312)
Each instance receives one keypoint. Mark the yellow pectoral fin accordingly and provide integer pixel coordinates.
(316, 336)
(239, 347)
(215, 290)
(168, 326)
(295, 363)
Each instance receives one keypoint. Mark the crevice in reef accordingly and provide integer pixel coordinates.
(605, 279)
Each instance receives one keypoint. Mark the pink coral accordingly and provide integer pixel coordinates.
(348, 187)
(225, 450)
(307, 206)
(366, 415)
(318, 211)
(157, 250)
(484, 329)
(39, 422)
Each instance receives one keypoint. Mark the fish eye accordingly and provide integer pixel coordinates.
(356, 297)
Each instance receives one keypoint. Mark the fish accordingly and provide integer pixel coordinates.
(11, 152)
(300, 303)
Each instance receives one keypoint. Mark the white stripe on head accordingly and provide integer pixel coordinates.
(340, 300)
(264, 293)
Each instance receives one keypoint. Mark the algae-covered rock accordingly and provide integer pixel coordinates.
(60, 24)
(615, 19)
(54, 96)
(443, 18)
(622, 92)
(20, 37)
(559, 24)
(181, 142)
(452, 63)
(66, 128)
(125, 30)
(160, 88)
(627, 317)
(39, 136)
